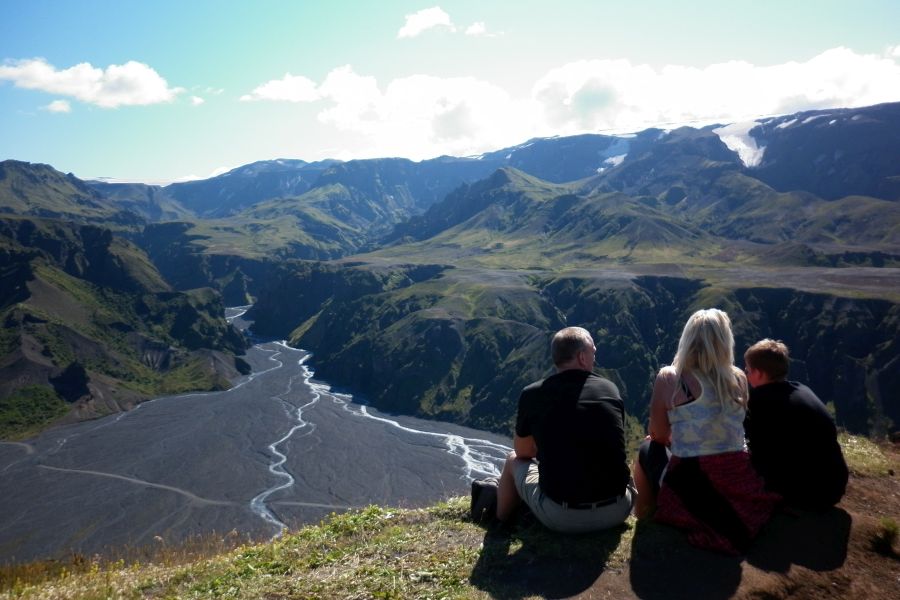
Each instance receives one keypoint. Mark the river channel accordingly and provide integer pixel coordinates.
(278, 450)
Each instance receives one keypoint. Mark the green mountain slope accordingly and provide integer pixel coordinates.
(42, 191)
(513, 220)
(88, 320)
(460, 343)
(530, 256)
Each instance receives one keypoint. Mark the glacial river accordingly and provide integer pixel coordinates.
(277, 450)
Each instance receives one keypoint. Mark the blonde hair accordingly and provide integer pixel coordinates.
(706, 347)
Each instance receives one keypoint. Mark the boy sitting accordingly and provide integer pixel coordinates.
(791, 436)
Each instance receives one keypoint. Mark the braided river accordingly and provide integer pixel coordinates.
(276, 451)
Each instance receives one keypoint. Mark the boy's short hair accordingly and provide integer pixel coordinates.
(769, 356)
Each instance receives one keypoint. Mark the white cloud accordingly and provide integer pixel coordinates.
(197, 100)
(477, 28)
(130, 84)
(425, 19)
(289, 88)
(59, 106)
(421, 116)
(616, 95)
(357, 99)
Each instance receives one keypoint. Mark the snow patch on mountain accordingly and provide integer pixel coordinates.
(615, 161)
(612, 161)
(813, 118)
(738, 139)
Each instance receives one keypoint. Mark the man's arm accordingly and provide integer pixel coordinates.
(525, 447)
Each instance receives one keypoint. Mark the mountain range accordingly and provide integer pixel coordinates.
(432, 287)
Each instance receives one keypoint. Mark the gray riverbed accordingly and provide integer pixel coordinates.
(279, 449)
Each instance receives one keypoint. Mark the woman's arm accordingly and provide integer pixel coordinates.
(745, 386)
(663, 389)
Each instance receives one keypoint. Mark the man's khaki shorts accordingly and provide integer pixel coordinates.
(568, 520)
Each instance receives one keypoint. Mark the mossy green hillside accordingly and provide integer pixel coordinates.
(459, 343)
(41, 190)
(88, 316)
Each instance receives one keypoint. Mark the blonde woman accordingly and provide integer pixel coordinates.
(694, 468)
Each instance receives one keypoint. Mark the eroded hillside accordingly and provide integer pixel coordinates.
(460, 343)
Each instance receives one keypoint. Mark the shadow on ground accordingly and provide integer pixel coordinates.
(528, 560)
(664, 566)
(817, 541)
(533, 561)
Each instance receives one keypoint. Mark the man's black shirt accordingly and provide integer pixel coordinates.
(793, 444)
(578, 423)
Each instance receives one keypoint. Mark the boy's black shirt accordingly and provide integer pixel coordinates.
(793, 445)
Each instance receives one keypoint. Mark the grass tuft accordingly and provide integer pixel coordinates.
(884, 539)
(375, 552)
(863, 456)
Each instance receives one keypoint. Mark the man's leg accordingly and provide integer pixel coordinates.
(507, 495)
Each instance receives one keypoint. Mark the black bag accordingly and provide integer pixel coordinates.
(484, 500)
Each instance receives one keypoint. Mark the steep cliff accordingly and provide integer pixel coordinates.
(88, 320)
(460, 344)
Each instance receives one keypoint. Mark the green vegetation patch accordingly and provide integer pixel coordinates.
(863, 456)
(371, 553)
(374, 552)
(28, 409)
(191, 375)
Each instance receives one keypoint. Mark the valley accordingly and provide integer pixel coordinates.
(459, 344)
(277, 450)
(431, 288)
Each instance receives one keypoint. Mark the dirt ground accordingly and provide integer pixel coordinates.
(797, 555)
(806, 556)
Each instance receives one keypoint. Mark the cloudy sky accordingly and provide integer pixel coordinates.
(166, 90)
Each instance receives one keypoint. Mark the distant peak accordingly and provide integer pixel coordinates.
(510, 176)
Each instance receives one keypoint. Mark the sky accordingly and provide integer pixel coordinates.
(166, 90)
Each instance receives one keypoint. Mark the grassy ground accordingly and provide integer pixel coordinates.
(438, 552)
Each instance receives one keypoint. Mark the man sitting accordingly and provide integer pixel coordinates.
(569, 462)
(791, 436)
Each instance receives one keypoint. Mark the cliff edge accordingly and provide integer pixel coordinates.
(849, 551)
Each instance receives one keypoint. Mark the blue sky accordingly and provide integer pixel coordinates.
(160, 91)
